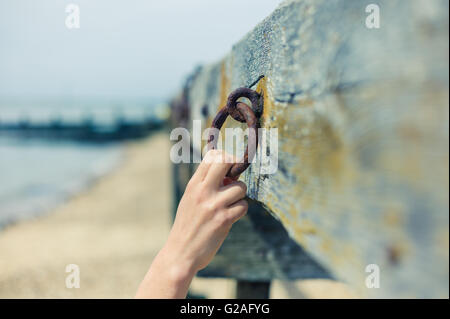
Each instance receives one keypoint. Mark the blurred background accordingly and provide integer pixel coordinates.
(95, 85)
(84, 157)
(85, 174)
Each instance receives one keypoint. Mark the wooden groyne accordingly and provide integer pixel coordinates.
(85, 131)
(363, 149)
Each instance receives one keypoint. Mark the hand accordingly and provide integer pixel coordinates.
(209, 207)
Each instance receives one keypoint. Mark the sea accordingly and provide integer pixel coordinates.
(37, 175)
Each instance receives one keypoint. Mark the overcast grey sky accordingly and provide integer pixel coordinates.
(124, 48)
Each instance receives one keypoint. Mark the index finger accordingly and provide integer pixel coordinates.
(202, 169)
(221, 164)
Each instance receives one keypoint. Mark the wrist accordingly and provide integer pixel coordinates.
(178, 271)
(166, 278)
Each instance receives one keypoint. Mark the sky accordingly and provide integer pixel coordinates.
(123, 48)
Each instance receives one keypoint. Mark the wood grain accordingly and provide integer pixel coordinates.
(362, 118)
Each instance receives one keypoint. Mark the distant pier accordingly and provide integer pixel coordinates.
(86, 130)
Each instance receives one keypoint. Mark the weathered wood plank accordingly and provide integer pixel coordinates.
(258, 248)
(362, 117)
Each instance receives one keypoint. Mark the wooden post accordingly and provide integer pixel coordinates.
(252, 289)
(362, 122)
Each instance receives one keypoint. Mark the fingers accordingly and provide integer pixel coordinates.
(229, 180)
(237, 210)
(200, 172)
(213, 168)
(203, 167)
(220, 164)
(232, 193)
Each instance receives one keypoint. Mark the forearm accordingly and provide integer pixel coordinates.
(209, 207)
(167, 278)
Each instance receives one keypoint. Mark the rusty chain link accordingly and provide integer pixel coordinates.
(243, 113)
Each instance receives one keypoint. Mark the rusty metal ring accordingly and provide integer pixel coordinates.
(249, 116)
(253, 96)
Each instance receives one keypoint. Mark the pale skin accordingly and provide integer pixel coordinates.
(210, 205)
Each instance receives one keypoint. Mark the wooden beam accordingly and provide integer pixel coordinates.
(362, 119)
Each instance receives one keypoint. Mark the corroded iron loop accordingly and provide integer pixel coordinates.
(253, 96)
(252, 121)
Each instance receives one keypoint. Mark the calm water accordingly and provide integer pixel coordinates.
(36, 175)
